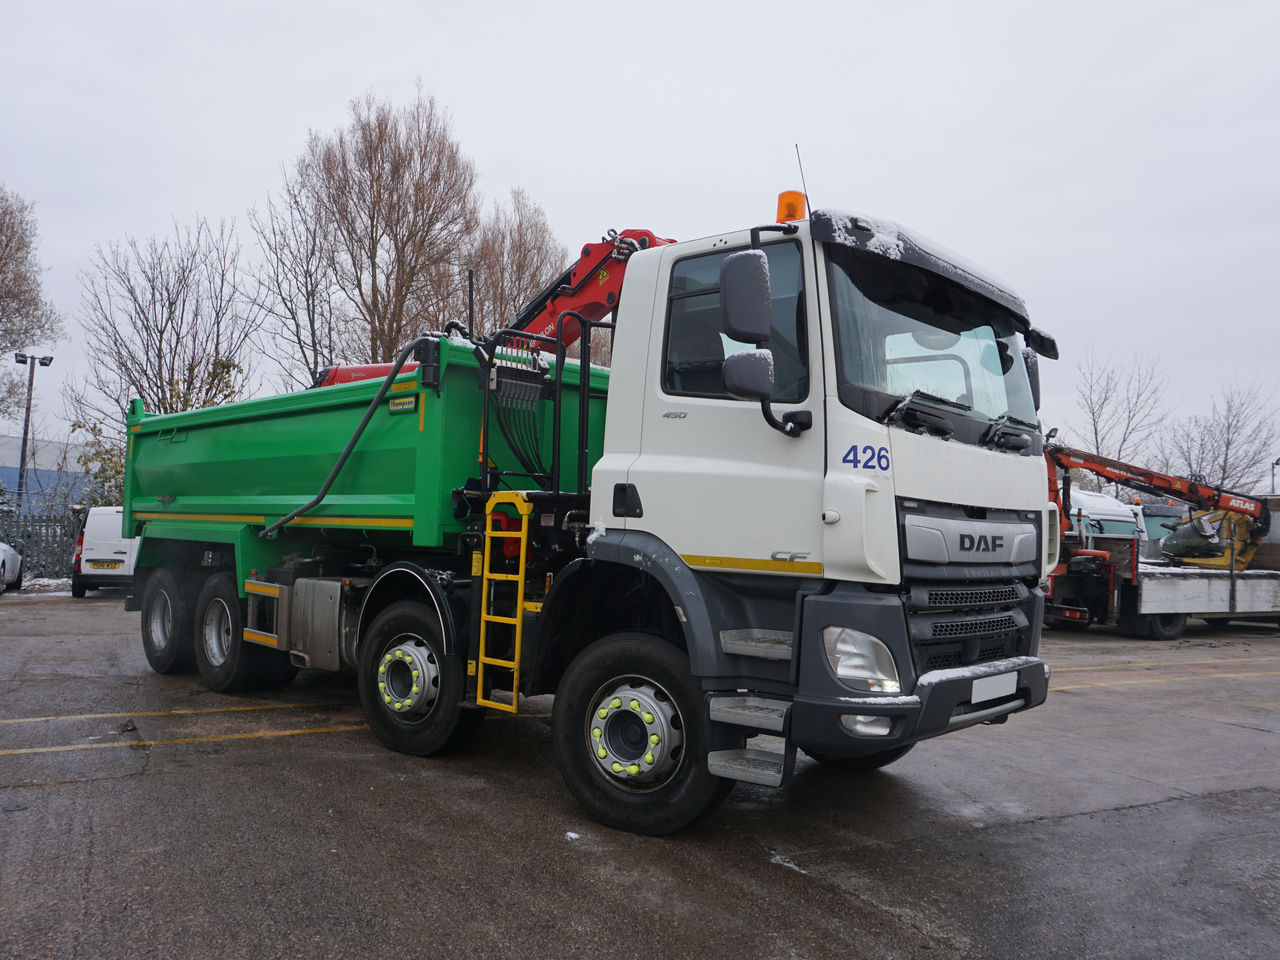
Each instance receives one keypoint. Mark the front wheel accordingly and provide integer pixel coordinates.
(410, 690)
(630, 736)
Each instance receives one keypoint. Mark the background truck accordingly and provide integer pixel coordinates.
(1216, 563)
(807, 500)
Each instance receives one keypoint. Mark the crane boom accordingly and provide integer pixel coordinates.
(1192, 491)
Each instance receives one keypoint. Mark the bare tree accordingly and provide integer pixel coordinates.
(398, 195)
(1232, 445)
(516, 256)
(27, 319)
(1121, 407)
(295, 286)
(164, 321)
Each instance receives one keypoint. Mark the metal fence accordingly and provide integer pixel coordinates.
(49, 541)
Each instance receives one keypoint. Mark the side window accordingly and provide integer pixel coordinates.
(696, 344)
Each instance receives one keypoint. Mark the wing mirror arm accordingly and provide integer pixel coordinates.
(745, 313)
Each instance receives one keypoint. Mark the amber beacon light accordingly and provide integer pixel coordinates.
(790, 206)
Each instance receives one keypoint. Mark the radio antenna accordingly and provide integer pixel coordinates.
(808, 208)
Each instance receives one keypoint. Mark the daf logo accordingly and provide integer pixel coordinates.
(980, 544)
(788, 556)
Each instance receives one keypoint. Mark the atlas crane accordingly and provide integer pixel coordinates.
(1225, 533)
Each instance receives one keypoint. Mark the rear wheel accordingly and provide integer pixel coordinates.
(166, 623)
(78, 591)
(226, 663)
(863, 764)
(410, 690)
(1167, 626)
(17, 584)
(630, 736)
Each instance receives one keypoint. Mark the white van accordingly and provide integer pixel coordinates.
(104, 558)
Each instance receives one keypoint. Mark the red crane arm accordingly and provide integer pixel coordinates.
(589, 287)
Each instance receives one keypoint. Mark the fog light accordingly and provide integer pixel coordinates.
(866, 726)
(860, 661)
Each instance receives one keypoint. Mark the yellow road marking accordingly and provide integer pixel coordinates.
(187, 712)
(1189, 676)
(153, 743)
(1163, 663)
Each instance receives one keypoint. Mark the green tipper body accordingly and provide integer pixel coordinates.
(220, 475)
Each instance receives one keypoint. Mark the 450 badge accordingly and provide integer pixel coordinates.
(867, 457)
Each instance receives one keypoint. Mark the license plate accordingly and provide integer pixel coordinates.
(992, 688)
(104, 564)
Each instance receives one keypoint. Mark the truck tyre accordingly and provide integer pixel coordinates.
(1167, 626)
(410, 691)
(166, 623)
(226, 663)
(630, 736)
(863, 764)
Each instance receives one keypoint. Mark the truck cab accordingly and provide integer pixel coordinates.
(871, 578)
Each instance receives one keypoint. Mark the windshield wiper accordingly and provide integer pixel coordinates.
(921, 417)
(996, 435)
(908, 403)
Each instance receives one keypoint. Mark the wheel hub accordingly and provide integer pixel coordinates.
(216, 632)
(161, 619)
(409, 679)
(634, 733)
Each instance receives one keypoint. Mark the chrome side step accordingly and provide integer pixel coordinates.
(762, 644)
(758, 713)
(753, 766)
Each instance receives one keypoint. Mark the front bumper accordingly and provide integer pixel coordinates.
(943, 701)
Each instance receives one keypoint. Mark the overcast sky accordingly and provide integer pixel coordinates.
(1118, 163)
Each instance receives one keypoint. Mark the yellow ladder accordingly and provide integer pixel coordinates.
(489, 578)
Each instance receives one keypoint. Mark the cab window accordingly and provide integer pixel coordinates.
(696, 344)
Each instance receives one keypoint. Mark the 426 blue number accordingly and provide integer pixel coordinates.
(873, 458)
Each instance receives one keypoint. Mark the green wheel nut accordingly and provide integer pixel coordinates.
(416, 674)
(602, 713)
(648, 717)
(654, 739)
(415, 690)
(601, 752)
(648, 758)
(597, 732)
(386, 699)
(617, 767)
(633, 769)
(382, 687)
(615, 703)
(634, 704)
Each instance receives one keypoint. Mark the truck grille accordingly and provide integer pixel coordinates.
(975, 597)
(974, 628)
(957, 626)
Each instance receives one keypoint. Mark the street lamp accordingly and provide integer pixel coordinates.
(31, 362)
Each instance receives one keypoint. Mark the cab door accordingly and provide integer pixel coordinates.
(721, 487)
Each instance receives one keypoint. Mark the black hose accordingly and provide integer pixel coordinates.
(351, 444)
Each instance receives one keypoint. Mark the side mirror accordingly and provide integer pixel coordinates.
(1041, 343)
(1032, 363)
(749, 375)
(744, 297)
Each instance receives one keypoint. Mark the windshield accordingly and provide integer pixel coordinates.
(901, 331)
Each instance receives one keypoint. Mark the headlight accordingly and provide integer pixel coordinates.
(860, 661)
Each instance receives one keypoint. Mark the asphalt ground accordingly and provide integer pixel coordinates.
(1134, 815)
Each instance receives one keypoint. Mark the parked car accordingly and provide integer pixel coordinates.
(104, 556)
(10, 568)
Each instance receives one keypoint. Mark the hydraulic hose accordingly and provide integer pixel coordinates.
(351, 444)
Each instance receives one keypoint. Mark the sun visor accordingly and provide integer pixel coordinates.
(887, 239)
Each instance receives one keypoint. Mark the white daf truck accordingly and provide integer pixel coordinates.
(809, 501)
